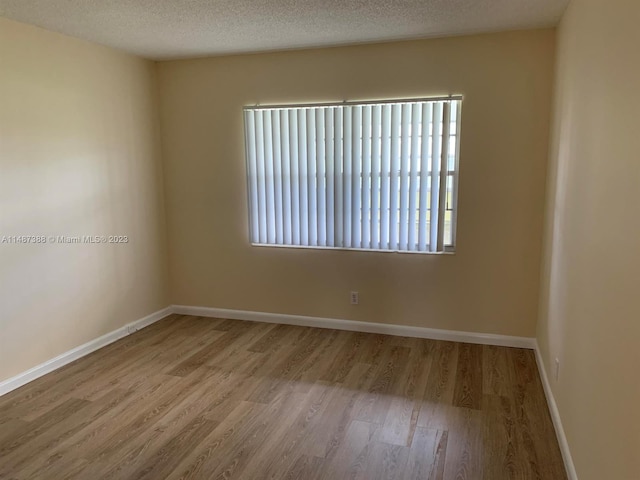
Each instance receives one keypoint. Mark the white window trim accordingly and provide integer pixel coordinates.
(441, 247)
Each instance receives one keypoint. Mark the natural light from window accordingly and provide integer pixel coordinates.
(371, 175)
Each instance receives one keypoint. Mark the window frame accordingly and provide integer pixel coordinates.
(447, 249)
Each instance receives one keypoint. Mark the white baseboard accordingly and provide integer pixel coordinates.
(555, 417)
(67, 357)
(356, 326)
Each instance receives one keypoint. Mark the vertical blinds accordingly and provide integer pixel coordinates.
(377, 176)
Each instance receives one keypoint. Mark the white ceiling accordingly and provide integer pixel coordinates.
(161, 29)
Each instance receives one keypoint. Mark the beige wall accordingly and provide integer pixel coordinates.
(490, 285)
(79, 155)
(590, 310)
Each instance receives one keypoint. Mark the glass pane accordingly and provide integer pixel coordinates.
(451, 160)
(448, 216)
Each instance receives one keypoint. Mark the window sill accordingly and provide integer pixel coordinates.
(448, 250)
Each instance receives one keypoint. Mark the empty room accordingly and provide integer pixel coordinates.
(319, 240)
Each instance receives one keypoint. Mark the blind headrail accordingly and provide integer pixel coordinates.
(354, 102)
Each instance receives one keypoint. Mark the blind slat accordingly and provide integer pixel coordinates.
(394, 183)
(269, 177)
(405, 138)
(295, 177)
(329, 200)
(365, 223)
(287, 227)
(356, 177)
(385, 177)
(303, 178)
(337, 183)
(321, 222)
(414, 165)
(277, 177)
(312, 180)
(436, 142)
(347, 173)
(252, 171)
(444, 160)
(425, 149)
(376, 124)
(262, 189)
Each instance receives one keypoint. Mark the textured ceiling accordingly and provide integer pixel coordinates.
(161, 29)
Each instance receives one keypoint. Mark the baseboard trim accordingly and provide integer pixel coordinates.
(356, 326)
(555, 417)
(65, 358)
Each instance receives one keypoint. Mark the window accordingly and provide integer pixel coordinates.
(379, 176)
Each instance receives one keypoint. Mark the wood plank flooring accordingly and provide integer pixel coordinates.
(195, 398)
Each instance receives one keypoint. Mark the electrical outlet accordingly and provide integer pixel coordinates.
(557, 372)
(355, 298)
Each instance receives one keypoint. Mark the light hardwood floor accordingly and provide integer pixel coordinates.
(194, 398)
